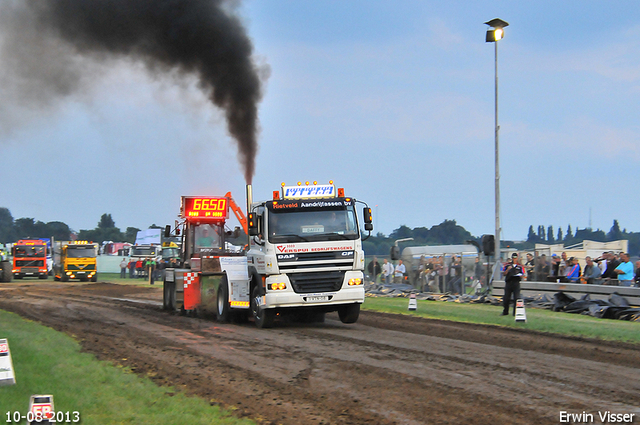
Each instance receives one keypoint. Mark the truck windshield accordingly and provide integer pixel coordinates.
(169, 253)
(144, 251)
(312, 225)
(207, 238)
(29, 251)
(81, 252)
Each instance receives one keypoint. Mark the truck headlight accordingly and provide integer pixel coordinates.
(355, 281)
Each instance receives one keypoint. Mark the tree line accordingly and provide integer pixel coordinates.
(446, 233)
(27, 228)
(450, 233)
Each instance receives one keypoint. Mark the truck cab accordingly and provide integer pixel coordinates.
(30, 259)
(75, 260)
(306, 254)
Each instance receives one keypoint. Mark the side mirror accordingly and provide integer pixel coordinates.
(368, 220)
(252, 224)
(167, 231)
(395, 253)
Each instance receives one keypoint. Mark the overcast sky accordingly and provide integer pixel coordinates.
(393, 100)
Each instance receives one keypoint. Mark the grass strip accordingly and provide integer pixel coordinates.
(537, 319)
(49, 362)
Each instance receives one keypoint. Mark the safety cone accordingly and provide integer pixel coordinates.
(521, 315)
(413, 302)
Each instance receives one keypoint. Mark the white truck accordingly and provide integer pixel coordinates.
(305, 254)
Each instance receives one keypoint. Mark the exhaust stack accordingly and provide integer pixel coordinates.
(249, 202)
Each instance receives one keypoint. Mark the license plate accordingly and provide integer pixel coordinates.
(318, 298)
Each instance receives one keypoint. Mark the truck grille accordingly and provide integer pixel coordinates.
(81, 267)
(306, 283)
(28, 270)
(315, 256)
(316, 260)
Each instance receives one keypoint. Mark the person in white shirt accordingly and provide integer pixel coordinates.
(400, 272)
(123, 268)
(387, 271)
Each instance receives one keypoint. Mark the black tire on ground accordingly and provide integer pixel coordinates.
(42, 276)
(17, 276)
(169, 296)
(64, 277)
(94, 278)
(223, 310)
(264, 318)
(6, 274)
(349, 313)
(84, 279)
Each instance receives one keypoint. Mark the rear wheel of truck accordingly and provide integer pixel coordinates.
(349, 313)
(6, 272)
(263, 317)
(222, 301)
(169, 296)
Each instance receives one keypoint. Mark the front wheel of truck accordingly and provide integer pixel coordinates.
(349, 313)
(263, 317)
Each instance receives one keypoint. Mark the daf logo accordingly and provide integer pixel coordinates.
(286, 256)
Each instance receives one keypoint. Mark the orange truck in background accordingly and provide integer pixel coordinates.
(30, 259)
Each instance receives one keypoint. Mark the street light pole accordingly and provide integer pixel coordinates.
(495, 34)
(497, 161)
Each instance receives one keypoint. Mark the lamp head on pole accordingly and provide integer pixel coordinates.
(496, 32)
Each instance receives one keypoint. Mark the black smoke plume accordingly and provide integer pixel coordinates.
(201, 37)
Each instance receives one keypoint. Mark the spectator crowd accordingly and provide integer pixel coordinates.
(609, 269)
(439, 274)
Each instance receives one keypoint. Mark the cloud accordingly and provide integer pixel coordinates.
(581, 136)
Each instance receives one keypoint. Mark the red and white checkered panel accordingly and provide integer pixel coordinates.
(189, 278)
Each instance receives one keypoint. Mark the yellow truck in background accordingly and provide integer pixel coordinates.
(75, 260)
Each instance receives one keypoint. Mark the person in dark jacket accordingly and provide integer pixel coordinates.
(374, 269)
(513, 272)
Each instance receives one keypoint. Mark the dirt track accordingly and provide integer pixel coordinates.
(385, 369)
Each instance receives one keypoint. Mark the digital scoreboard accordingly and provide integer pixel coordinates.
(204, 208)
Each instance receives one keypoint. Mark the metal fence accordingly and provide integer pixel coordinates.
(438, 273)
